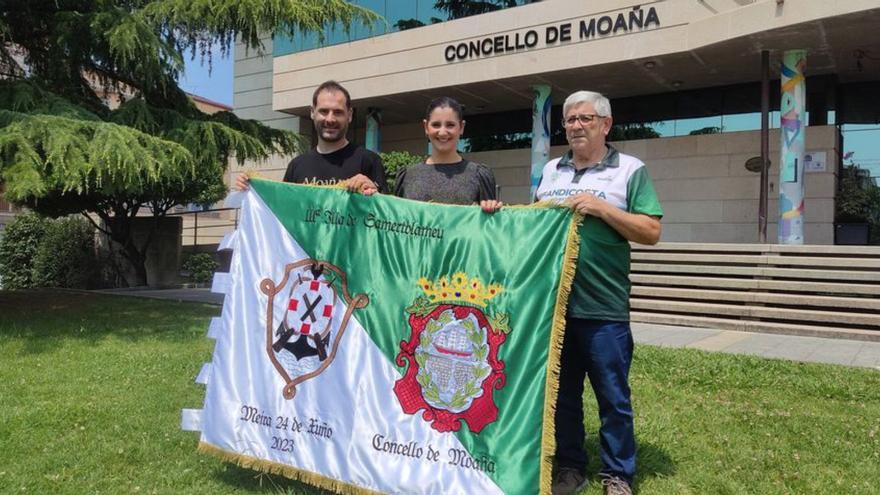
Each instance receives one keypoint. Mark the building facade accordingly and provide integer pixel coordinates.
(683, 76)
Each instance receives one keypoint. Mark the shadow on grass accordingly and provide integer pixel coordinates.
(40, 317)
(239, 478)
(651, 461)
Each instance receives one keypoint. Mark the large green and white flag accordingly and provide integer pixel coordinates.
(376, 344)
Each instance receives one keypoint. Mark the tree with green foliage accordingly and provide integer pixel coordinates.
(65, 149)
(66, 255)
(858, 199)
(18, 247)
(854, 195)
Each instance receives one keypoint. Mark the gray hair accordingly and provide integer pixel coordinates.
(599, 102)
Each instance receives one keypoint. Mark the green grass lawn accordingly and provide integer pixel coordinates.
(91, 389)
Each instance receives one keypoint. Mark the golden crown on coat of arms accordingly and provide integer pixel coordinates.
(460, 289)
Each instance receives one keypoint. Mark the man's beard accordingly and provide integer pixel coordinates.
(340, 133)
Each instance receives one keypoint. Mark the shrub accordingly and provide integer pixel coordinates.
(201, 267)
(66, 255)
(18, 246)
(858, 199)
(855, 195)
(395, 161)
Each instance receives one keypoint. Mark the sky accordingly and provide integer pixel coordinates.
(216, 85)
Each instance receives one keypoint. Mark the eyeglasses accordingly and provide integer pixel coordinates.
(584, 119)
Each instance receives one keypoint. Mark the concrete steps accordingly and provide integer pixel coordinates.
(774, 298)
(826, 291)
(759, 271)
(754, 284)
(756, 326)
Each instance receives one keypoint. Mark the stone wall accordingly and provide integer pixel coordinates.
(709, 196)
(163, 253)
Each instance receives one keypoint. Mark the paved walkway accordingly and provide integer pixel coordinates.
(182, 295)
(794, 348)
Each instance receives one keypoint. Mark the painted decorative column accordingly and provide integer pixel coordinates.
(374, 122)
(791, 164)
(540, 135)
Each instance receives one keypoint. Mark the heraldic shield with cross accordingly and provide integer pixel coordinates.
(304, 342)
(452, 355)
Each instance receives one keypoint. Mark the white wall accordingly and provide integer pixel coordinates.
(252, 99)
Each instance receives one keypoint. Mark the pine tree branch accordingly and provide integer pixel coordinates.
(63, 150)
(194, 21)
(48, 152)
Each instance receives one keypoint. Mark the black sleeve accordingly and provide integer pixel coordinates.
(288, 175)
(376, 171)
(398, 182)
(486, 181)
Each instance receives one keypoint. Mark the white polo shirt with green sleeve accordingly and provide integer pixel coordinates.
(601, 285)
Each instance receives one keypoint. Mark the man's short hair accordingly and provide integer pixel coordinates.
(599, 102)
(331, 86)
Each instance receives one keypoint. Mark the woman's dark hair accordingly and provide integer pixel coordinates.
(444, 101)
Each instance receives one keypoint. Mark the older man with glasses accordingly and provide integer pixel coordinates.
(615, 194)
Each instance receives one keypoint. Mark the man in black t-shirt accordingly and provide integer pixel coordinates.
(334, 159)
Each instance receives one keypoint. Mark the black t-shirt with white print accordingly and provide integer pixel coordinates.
(328, 169)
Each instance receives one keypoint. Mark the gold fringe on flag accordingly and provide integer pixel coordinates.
(269, 467)
(557, 333)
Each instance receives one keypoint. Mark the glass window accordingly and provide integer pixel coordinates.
(334, 35)
(741, 122)
(427, 13)
(699, 125)
(284, 44)
(861, 147)
(399, 15)
(402, 15)
(490, 142)
(647, 130)
(359, 31)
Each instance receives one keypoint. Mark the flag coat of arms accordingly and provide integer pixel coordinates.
(382, 345)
